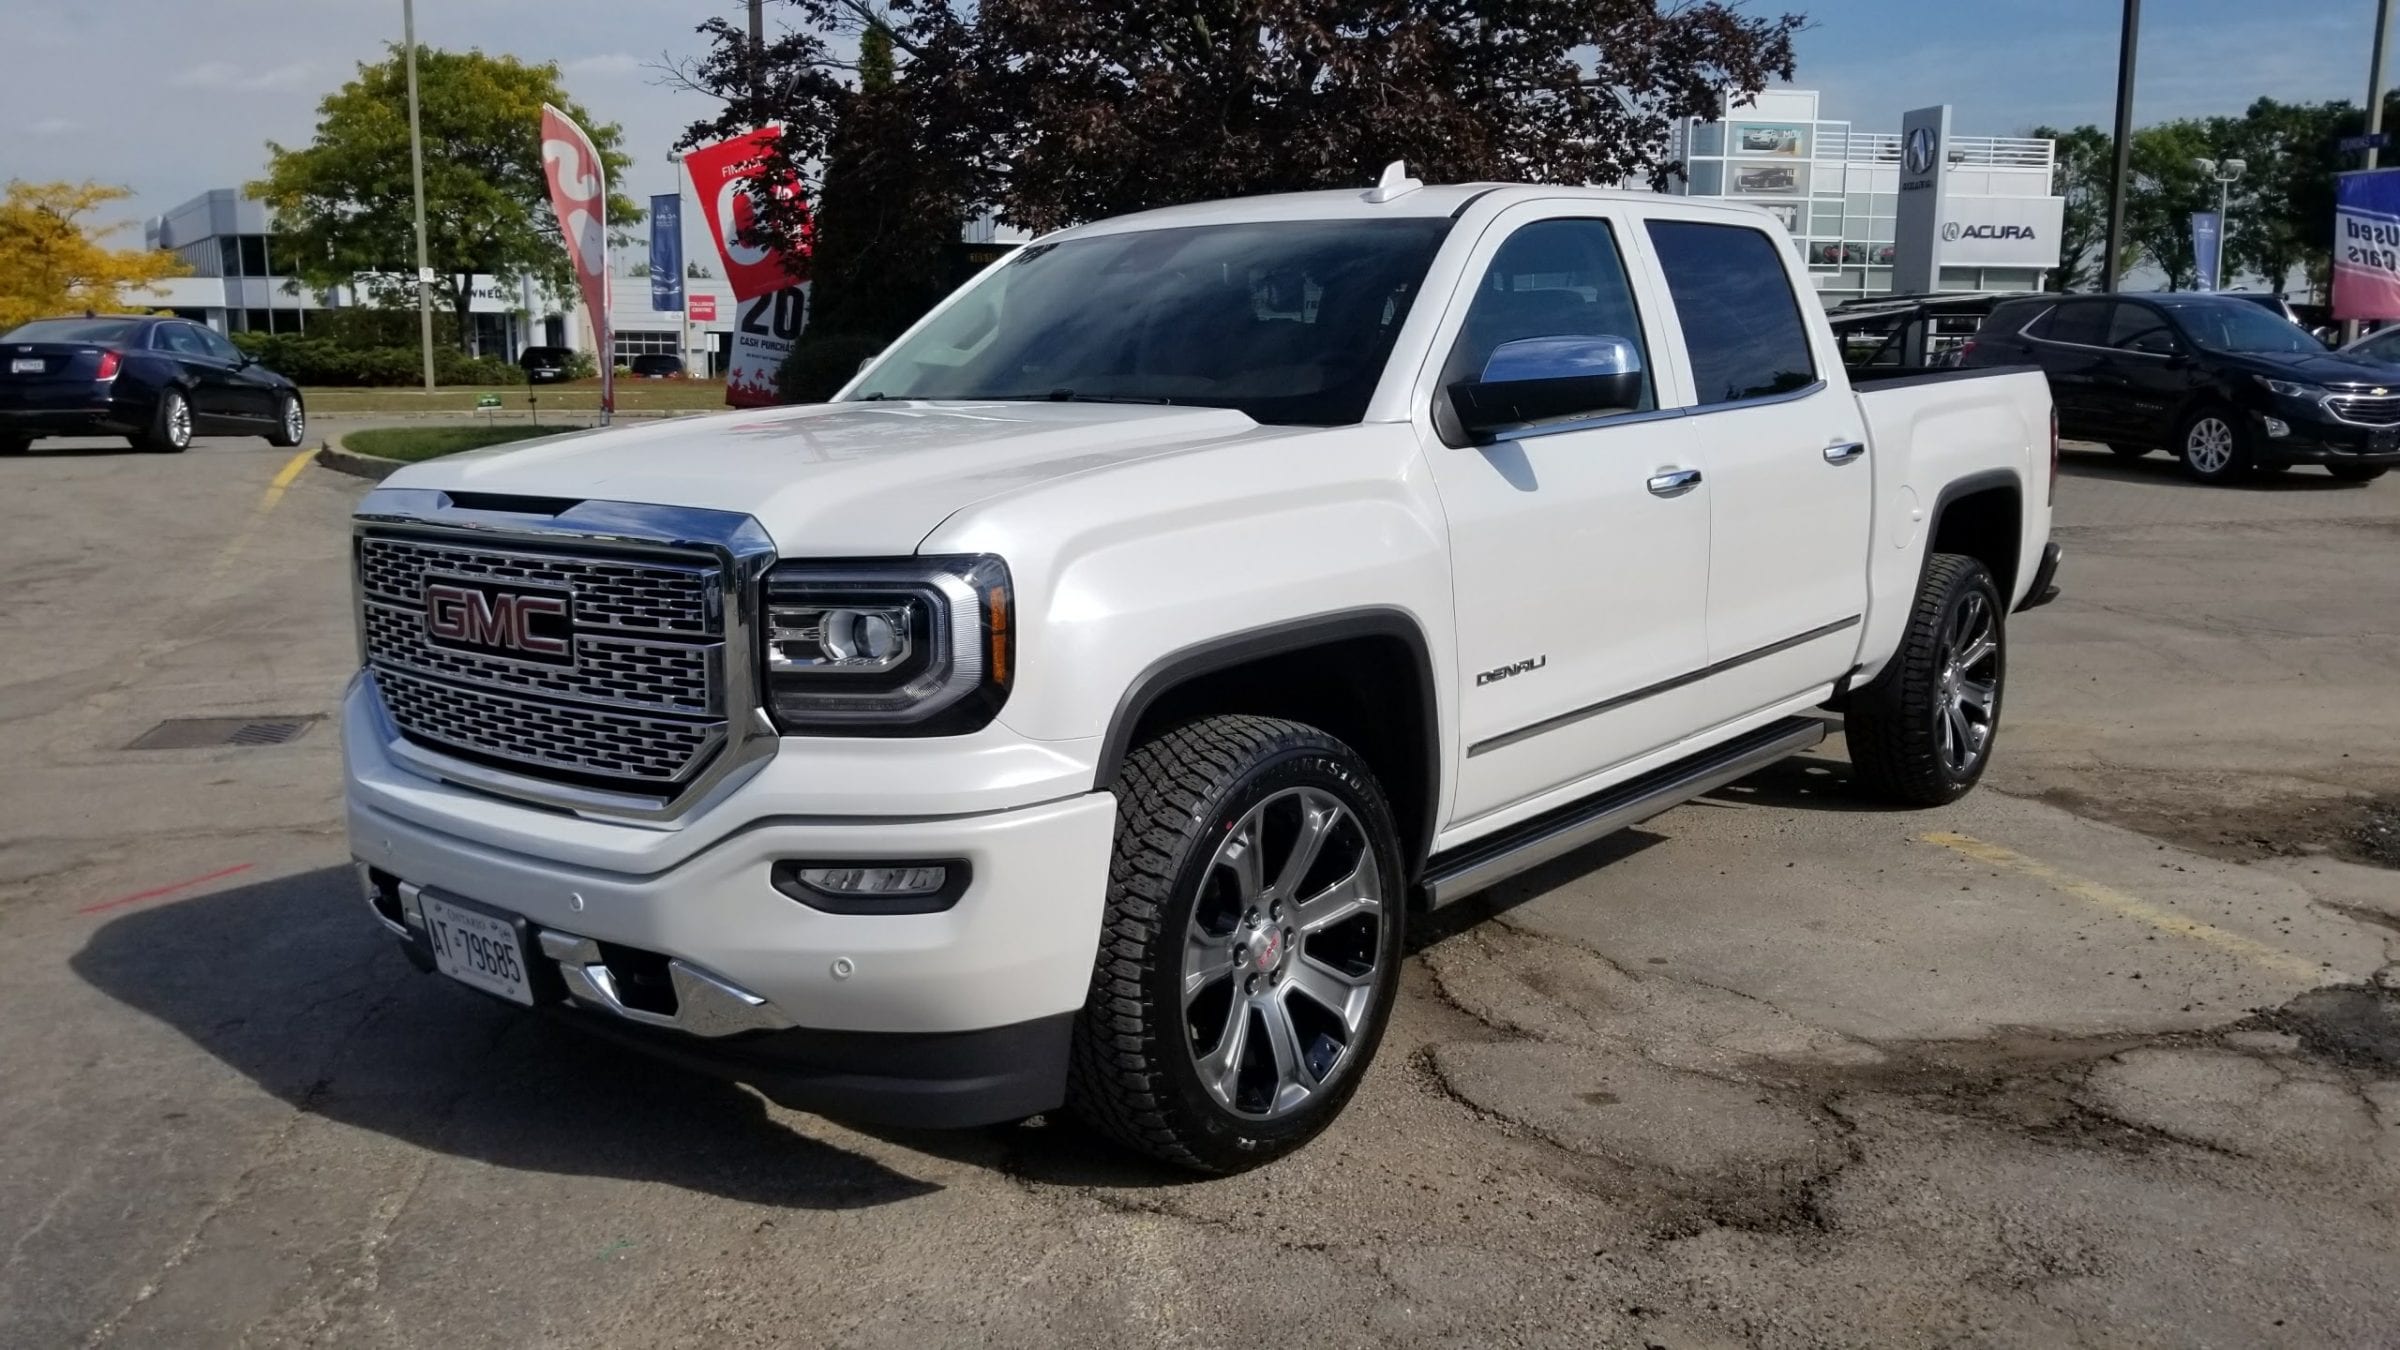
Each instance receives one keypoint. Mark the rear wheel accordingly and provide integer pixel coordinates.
(2356, 473)
(291, 423)
(1921, 734)
(2216, 446)
(1251, 947)
(171, 425)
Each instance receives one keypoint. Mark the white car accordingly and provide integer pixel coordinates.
(1076, 710)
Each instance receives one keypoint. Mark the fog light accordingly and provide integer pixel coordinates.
(873, 887)
(2277, 428)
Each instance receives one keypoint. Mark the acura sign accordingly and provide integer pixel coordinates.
(2001, 231)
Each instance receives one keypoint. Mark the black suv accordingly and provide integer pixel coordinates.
(2224, 384)
(547, 365)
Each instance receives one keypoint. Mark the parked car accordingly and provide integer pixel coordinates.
(547, 365)
(1078, 707)
(656, 366)
(2382, 347)
(2221, 382)
(159, 382)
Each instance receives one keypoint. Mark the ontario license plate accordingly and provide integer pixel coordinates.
(476, 948)
(25, 365)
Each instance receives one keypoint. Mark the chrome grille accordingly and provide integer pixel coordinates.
(642, 704)
(653, 750)
(2365, 409)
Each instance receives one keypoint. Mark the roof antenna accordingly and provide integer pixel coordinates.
(1394, 183)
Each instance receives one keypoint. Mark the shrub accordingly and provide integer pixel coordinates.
(315, 360)
(819, 366)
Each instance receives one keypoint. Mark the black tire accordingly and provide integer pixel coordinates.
(170, 430)
(2356, 473)
(1185, 798)
(1901, 728)
(2213, 442)
(291, 423)
(2126, 451)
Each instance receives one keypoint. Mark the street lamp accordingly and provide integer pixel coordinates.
(2224, 171)
(683, 320)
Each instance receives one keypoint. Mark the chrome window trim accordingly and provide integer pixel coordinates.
(742, 550)
(1537, 430)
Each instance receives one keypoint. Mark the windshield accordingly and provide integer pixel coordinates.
(72, 330)
(2237, 326)
(1287, 321)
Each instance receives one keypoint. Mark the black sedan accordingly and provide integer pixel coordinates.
(158, 381)
(2228, 386)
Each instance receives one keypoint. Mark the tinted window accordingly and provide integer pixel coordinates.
(1287, 321)
(2015, 316)
(2232, 326)
(182, 339)
(2138, 328)
(2384, 346)
(254, 255)
(2083, 321)
(1741, 323)
(73, 330)
(1553, 278)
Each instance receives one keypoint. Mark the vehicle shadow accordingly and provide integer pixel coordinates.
(2163, 469)
(1809, 782)
(290, 982)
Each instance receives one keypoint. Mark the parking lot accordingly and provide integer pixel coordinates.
(2096, 1056)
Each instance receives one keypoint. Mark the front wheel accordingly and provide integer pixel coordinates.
(1921, 734)
(171, 425)
(2216, 446)
(2356, 473)
(1251, 946)
(291, 423)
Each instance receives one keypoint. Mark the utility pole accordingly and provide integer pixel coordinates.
(2375, 62)
(416, 167)
(2112, 256)
(758, 54)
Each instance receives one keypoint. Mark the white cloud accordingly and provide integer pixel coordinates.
(604, 66)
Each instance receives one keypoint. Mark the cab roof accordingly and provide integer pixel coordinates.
(1354, 204)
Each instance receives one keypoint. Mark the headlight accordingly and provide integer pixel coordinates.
(906, 647)
(2288, 388)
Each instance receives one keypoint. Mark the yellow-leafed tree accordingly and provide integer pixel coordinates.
(55, 260)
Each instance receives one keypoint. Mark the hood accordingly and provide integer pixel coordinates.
(2342, 368)
(836, 479)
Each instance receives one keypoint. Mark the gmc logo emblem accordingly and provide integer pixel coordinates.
(525, 624)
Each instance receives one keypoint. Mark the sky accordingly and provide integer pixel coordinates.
(173, 97)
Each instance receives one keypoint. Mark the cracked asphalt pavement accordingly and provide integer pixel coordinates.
(2107, 1054)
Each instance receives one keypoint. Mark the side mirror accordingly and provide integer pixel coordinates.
(1535, 379)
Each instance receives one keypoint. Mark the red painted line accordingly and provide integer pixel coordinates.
(139, 896)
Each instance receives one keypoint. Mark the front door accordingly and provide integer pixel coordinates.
(2071, 342)
(1789, 483)
(1579, 548)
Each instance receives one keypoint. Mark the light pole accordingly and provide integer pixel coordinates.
(683, 287)
(2225, 171)
(416, 168)
(2129, 39)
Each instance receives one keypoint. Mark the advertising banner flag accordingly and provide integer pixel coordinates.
(579, 196)
(666, 251)
(2208, 243)
(2366, 245)
(764, 328)
(721, 175)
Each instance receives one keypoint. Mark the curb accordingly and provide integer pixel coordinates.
(373, 468)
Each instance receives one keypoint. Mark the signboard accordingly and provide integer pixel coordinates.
(666, 251)
(2374, 140)
(703, 308)
(487, 401)
(1774, 140)
(2366, 245)
(1923, 207)
(764, 328)
(579, 197)
(2208, 237)
(721, 175)
(2001, 231)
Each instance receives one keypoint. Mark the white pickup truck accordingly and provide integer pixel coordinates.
(1074, 711)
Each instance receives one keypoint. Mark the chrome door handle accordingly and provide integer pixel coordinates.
(1674, 482)
(1842, 452)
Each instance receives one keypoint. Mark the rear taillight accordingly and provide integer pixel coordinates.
(108, 366)
(2054, 455)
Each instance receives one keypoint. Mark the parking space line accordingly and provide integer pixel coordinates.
(281, 483)
(2137, 909)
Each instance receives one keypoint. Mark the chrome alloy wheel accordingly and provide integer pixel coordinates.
(179, 422)
(295, 421)
(1966, 698)
(1279, 963)
(2208, 446)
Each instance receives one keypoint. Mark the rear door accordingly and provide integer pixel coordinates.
(2071, 345)
(1790, 490)
(215, 403)
(2148, 379)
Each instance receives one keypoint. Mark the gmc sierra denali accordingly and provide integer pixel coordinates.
(1074, 710)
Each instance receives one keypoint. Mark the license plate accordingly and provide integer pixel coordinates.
(25, 365)
(2382, 442)
(476, 948)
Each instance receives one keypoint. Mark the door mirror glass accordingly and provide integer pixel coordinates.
(1540, 378)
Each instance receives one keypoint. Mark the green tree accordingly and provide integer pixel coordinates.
(2167, 188)
(54, 260)
(2086, 168)
(342, 202)
(889, 213)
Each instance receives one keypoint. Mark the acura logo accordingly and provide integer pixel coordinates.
(1950, 232)
(1920, 150)
(523, 623)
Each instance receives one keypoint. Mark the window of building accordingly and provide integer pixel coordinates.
(1741, 323)
(258, 320)
(229, 256)
(640, 342)
(254, 255)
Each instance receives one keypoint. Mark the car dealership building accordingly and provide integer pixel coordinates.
(1838, 191)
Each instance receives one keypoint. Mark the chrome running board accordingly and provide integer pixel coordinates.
(1469, 868)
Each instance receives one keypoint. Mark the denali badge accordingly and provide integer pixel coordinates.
(1513, 668)
(476, 616)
